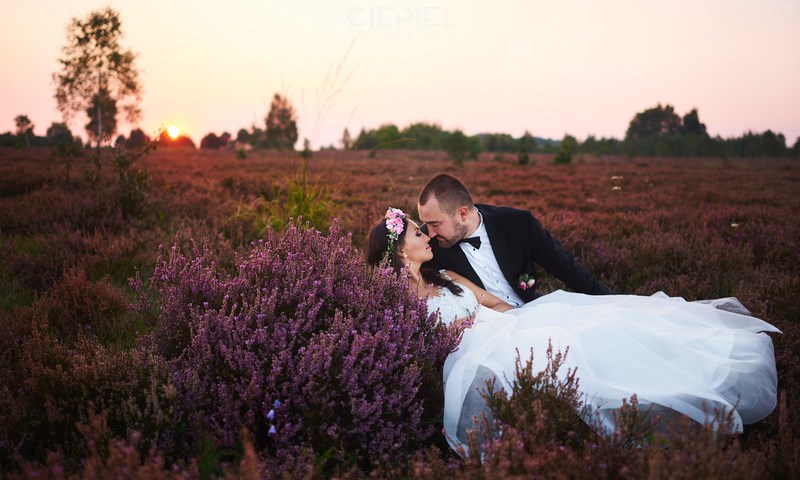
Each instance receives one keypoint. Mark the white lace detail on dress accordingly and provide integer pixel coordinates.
(451, 306)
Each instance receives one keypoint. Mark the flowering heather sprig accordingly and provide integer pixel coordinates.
(352, 356)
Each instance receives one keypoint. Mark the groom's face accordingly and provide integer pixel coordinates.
(445, 228)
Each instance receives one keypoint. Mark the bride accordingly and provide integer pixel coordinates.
(676, 356)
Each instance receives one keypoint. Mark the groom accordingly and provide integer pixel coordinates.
(495, 247)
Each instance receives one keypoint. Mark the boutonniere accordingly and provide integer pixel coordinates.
(525, 281)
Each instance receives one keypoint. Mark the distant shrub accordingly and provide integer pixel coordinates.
(306, 153)
(569, 145)
(303, 345)
(460, 147)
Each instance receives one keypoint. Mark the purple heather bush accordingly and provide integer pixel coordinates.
(304, 345)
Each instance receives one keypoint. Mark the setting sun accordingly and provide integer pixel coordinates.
(173, 131)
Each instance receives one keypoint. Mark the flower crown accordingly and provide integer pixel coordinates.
(394, 226)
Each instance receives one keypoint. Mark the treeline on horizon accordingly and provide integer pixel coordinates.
(657, 131)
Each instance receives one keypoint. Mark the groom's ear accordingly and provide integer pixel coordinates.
(462, 212)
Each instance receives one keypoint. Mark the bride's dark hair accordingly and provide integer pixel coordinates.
(378, 243)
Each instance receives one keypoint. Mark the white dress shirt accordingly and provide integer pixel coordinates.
(485, 265)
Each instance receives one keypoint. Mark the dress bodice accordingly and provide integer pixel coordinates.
(451, 306)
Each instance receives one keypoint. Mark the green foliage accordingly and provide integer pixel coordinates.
(137, 139)
(306, 153)
(97, 75)
(133, 183)
(387, 135)
(691, 124)
(102, 114)
(281, 123)
(602, 146)
(302, 196)
(569, 145)
(67, 152)
(460, 147)
(541, 398)
(58, 134)
(366, 140)
(24, 128)
(526, 144)
(499, 142)
(653, 122)
(347, 140)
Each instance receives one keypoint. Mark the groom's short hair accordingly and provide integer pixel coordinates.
(449, 191)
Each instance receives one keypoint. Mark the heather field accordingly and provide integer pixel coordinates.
(162, 317)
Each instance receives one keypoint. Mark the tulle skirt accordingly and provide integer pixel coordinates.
(684, 357)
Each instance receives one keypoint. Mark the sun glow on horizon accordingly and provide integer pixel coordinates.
(173, 132)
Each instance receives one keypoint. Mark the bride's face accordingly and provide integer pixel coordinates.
(415, 245)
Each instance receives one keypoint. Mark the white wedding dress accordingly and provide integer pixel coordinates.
(678, 356)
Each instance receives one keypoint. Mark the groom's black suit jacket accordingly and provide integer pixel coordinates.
(519, 242)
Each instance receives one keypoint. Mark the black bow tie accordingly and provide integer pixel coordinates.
(474, 241)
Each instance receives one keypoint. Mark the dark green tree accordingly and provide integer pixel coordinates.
(366, 140)
(58, 133)
(281, 123)
(306, 153)
(243, 136)
(137, 138)
(387, 135)
(102, 115)
(423, 136)
(691, 124)
(772, 144)
(459, 147)
(347, 140)
(96, 73)
(24, 128)
(211, 141)
(653, 122)
(569, 145)
(525, 145)
(499, 142)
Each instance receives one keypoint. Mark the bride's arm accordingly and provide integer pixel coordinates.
(486, 298)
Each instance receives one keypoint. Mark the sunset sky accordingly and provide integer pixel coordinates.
(550, 67)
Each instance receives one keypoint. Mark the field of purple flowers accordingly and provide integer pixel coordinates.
(163, 318)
